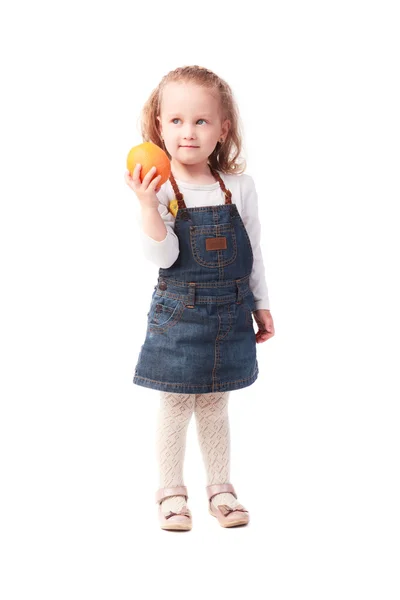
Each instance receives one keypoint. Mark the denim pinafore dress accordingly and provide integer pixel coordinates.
(200, 336)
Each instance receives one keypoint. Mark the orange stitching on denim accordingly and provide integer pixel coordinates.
(215, 207)
(201, 299)
(206, 299)
(212, 264)
(191, 385)
(216, 353)
(247, 236)
(164, 309)
(169, 323)
(230, 325)
(206, 229)
(248, 314)
(206, 284)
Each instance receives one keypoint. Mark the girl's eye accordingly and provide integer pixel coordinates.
(177, 119)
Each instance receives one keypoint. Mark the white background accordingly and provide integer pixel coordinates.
(315, 440)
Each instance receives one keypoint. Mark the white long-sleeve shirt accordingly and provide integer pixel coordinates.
(244, 195)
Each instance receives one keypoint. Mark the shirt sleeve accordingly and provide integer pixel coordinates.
(250, 217)
(165, 252)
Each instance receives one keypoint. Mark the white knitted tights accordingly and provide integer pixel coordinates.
(212, 424)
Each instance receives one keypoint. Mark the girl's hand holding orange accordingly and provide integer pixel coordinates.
(143, 162)
(145, 190)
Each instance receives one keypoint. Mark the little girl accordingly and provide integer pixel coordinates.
(201, 229)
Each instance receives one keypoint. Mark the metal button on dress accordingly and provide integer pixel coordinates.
(163, 285)
(185, 216)
(158, 308)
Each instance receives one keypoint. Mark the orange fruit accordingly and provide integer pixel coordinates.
(149, 155)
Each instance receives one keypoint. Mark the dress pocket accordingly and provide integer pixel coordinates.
(213, 245)
(164, 313)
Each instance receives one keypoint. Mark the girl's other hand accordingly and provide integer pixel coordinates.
(145, 190)
(265, 324)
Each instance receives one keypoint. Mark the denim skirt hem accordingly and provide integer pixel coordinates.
(184, 388)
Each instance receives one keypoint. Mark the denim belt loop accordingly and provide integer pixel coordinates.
(191, 295)
(239, 296)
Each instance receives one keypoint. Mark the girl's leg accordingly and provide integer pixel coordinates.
(173, 419)
(212, 422)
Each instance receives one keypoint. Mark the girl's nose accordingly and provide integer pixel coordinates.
(189, 134)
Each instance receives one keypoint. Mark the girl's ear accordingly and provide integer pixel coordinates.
(226, 126)
(159, 126)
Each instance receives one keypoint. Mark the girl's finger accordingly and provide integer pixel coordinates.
(154, 183)
(149, 176)
(128, 178)
(136, 173)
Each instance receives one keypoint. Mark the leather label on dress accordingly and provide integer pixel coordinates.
(217, 243)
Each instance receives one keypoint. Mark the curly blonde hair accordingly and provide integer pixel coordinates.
(225, 157)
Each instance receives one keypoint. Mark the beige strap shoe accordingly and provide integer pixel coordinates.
(174, 521)
(226, 515)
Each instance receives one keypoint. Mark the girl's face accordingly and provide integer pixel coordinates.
(190, 117)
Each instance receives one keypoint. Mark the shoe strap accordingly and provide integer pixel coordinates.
(220, 488)
(179, 490)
